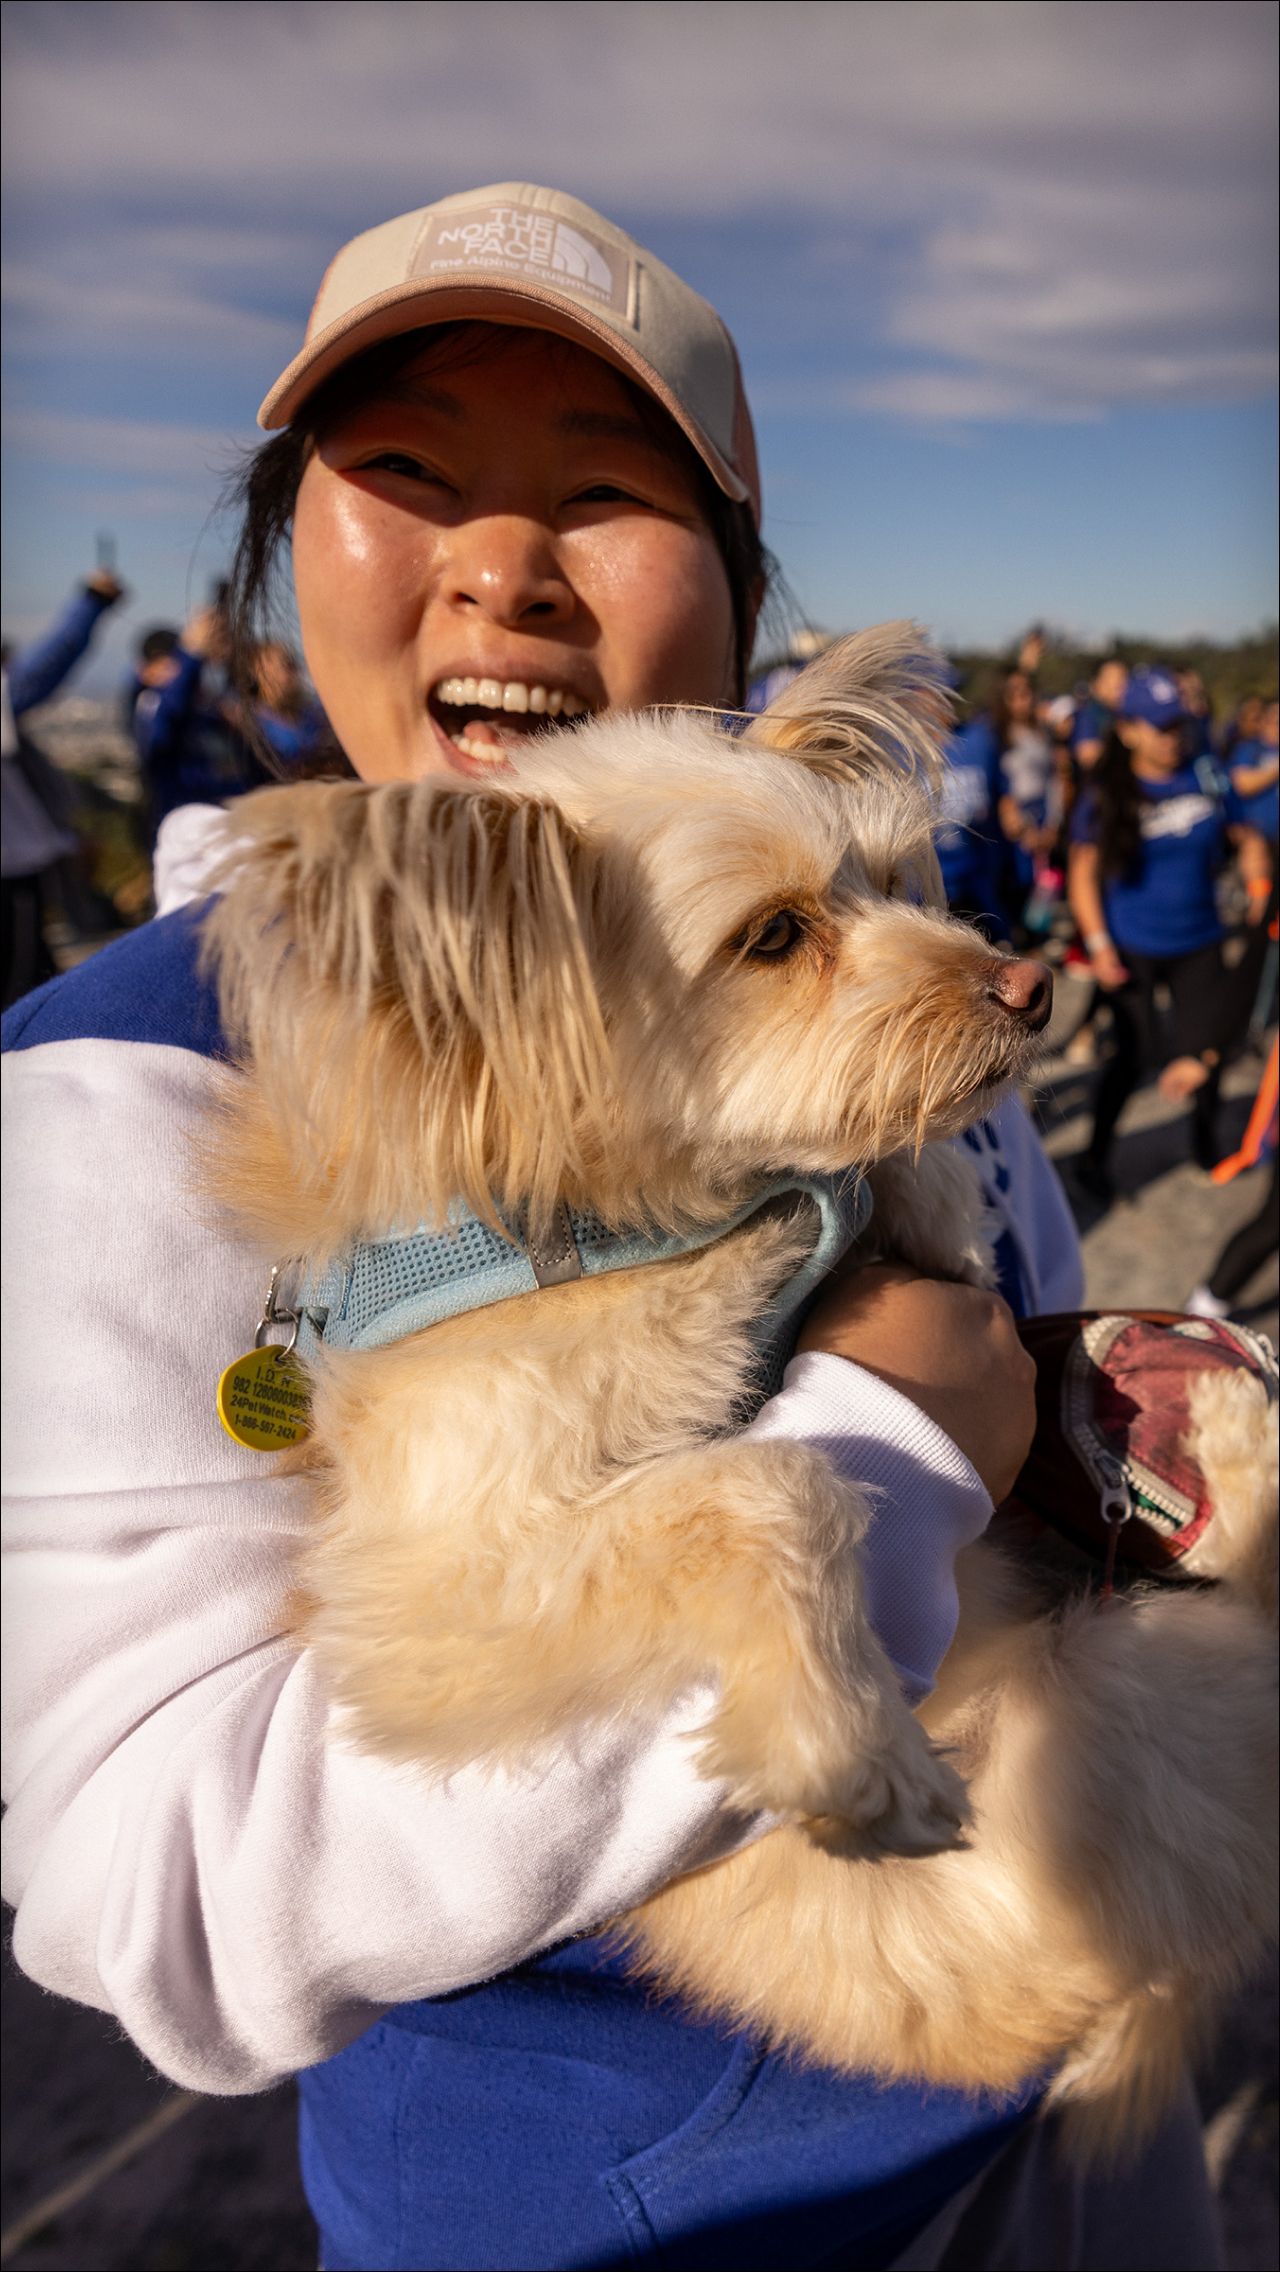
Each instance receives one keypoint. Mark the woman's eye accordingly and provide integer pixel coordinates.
(605, 493)
(395, 461)
(781, 935)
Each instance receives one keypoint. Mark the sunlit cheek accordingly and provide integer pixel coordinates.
(659, 594)
(360, 596)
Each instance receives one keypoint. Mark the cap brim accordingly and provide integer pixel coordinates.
(533, 307)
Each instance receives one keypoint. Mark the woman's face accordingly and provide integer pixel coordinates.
(1154, 749)
(483, 548)
(1019, 698)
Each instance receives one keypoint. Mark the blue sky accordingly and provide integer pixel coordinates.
(1002, 275)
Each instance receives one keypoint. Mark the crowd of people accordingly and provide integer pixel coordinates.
(198, 741)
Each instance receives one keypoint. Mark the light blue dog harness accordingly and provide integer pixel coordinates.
(385, 1289)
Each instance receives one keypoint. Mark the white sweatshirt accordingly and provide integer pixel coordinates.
(191, 1842)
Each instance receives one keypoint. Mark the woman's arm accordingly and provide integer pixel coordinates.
(1250, 780)
(1254, 855)
(38, 670)
(1084, 894)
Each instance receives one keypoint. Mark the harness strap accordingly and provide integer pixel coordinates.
(382, 1290)
(555, 1259)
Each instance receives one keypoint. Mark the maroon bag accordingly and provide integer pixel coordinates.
(1112, 1468)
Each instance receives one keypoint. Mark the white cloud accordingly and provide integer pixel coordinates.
(124, 446)
(1075, 193)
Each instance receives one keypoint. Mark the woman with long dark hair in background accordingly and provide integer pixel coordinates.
(1149, 838)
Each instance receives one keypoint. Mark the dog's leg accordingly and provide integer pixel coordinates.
(739, 1559)
(929, 1212)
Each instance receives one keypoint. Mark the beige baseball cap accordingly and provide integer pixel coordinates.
(517, 254)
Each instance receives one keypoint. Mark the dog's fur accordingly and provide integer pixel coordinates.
(535, 1514)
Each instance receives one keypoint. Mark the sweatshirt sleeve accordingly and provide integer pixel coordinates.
(40, 668)
(190, 1842)
(927, 1500)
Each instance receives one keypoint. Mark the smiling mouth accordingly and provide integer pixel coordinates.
(481, 716)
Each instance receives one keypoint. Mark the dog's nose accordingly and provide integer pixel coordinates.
(1024, 989)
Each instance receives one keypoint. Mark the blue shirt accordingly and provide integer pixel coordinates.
(190, 754)
(1262, 809)
(968, 840)
(1092, 723)
(1167, 904)
(40, 668)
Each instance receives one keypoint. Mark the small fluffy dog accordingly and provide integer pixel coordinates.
(641, 975)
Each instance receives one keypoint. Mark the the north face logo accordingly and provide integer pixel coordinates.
(518, 240)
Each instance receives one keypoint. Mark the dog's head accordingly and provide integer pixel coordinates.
(651, 965)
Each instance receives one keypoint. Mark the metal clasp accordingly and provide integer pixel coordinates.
(276, 1313)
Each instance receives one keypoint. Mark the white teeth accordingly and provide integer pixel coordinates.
(512, 695)
(488, 753)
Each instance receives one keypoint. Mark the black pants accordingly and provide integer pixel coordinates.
(27, 960)
(1206, 1012)
(1253, 1242)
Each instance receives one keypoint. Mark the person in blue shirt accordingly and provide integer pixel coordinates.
(508, 502)
(1255, 773)
(186, 728)
(1096, 716)
(1198, 739)
(283, 715)
(1149, 837)
(38, 833)
(970, 841)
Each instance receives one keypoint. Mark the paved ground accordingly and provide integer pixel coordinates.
(106, 2168)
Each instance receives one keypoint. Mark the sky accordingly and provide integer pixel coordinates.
(1001, 272)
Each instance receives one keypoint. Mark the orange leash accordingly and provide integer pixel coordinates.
(1261, 1122)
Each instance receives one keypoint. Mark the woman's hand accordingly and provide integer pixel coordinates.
(1182, 1077)
(1108, 969)
(954, 1350)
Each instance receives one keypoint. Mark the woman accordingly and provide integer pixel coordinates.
(1149, 838)
(517, 469)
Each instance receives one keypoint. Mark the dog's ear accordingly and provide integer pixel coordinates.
(874, 710)
(409, 973)
(875, 702)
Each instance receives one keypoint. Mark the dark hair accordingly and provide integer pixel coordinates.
(1001, 717)
(265, 492)
(160, 641)
(1118, 808)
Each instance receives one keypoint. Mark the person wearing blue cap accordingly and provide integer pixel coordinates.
(1149, 837)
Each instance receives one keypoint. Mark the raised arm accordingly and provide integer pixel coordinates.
(38, 670)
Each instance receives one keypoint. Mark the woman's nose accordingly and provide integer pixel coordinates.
(506, 567)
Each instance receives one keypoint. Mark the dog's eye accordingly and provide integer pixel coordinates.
(778, 938)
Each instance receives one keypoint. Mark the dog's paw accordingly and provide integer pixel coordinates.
(904, 1798)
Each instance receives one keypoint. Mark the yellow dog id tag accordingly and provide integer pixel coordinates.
(263, 1400)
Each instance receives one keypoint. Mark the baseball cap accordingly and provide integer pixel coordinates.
(1155, 696)
(518, 254)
